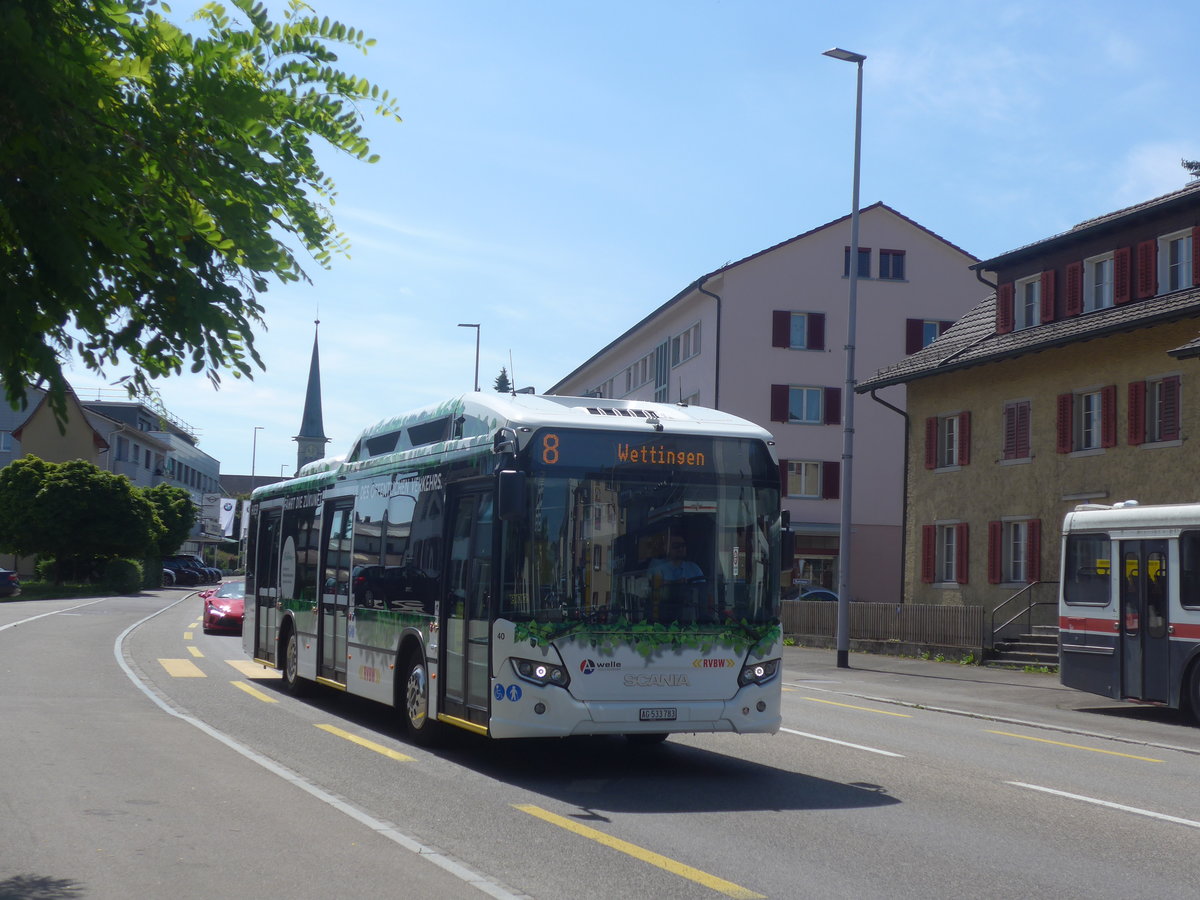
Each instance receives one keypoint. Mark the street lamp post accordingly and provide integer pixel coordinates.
(843, 613)
(476, 327)
(254, 453)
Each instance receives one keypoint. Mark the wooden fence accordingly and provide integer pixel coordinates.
(906, 624)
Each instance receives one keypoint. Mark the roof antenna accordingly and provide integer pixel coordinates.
(512, 378)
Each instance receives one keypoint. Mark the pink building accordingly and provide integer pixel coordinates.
(764, 338)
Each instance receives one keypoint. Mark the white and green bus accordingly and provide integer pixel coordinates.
(522, 566)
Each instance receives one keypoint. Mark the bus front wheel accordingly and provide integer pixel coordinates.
(292, 682)
(414, 702)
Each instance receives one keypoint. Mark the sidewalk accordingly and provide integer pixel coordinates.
(1015, 697)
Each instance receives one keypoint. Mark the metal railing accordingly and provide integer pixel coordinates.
(1026, 612)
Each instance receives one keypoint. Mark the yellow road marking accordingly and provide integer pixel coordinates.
(882, 712)
(194, 625)
(1073, 746)
(253, 692)
(187, 635)
(253, 669)
(195, 651)
(182, 668)
(720, 885)
(370, 745)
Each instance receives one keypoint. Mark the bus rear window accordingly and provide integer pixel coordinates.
(1087, 570)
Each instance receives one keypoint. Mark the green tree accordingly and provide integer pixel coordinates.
(502, 384)
(176, 513)
(152, 181)
(21, 525)
(1192, 165)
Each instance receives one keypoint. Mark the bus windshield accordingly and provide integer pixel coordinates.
(638, 547)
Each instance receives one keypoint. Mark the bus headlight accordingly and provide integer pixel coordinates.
(759, 672)
(542, 672)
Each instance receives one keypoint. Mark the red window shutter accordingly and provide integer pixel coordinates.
(1023, 449)
(816, 331)
(1136, 414)
(831, 480)
(964, 438)
(1033, 550)
(943, 325)
(1004, 308)
(1169, 430)
(961, 554)
(1009, 450)
(931, 442)
(779, 402)
(914, 330)
(1108, 411)
(1147, 269)
(783, 477)
(1064, 422)
(928, 553)
(995, 551)
(1074, 299)
(781, 328)
(1196, 255)
(833, 406)
(1047, 310)
(1121, 273)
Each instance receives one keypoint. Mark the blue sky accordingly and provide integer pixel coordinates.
(564, 168)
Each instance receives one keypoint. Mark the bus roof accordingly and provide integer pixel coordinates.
(1130, 514)
(474, 419)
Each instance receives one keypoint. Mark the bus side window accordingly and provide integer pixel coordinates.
(1189, 569)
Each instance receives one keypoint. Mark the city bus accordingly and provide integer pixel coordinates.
(1129, 603)
(500, 563)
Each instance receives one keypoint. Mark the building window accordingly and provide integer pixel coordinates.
(1028, 305)
(686, 345)
(1016, 430)
(1014, 551)
(1087, 420)
(811, 479)
(797, 330)
(920, 333)
(6, 442)
(1154, 410)
(891, 265)
(864, 263)
(1098, 283)
(948, 441)
(944, 553)
(805, 405)
(1175, 262)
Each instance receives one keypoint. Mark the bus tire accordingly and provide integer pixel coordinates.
(292, 682)
(1192, 685)
(414, 702)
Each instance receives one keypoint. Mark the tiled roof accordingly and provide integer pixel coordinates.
(972, 340)
(1183, 195)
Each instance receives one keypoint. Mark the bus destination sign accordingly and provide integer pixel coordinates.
(622, 450)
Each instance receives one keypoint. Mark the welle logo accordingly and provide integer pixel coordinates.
(588, 666)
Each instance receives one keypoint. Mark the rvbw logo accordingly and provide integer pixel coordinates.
(588, 666)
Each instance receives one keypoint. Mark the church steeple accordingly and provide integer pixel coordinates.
(311, 440)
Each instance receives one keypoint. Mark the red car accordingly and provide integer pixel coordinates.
(224, 607)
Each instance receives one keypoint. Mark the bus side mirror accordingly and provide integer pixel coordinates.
(787, 547)
(511, 498)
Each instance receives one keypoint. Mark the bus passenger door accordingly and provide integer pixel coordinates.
(266, 584)
(465, 609)
(1145, 658)
(335, 592)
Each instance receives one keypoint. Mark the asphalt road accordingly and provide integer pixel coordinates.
(140, 757)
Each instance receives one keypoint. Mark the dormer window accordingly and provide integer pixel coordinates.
(1027, 308)
(1175, 262)
(1098, 282)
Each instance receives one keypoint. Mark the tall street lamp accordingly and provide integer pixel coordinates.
(254, 454)
(476, 327)
(843, 613)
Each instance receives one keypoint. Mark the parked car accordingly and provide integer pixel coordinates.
(820, 594)
(205, 574)
(182, 574)
(224, 607)
(10, 583)
(168, 577)
(393, 587)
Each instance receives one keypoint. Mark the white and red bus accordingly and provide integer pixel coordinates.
(495, 563)
(1129, 603)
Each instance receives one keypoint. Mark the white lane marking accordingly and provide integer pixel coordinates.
(57, 612)
(380, 827)
(1120, 806)
(817, 737)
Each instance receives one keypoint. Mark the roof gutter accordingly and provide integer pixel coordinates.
(717, 349)
(903, 487)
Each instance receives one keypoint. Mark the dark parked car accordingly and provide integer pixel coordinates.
(10, 583)
(224, 607)
(823, 594)
(183, 574)
(205, 574)
(393, 587)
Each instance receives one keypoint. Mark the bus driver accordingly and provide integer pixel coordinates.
(671, 579)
